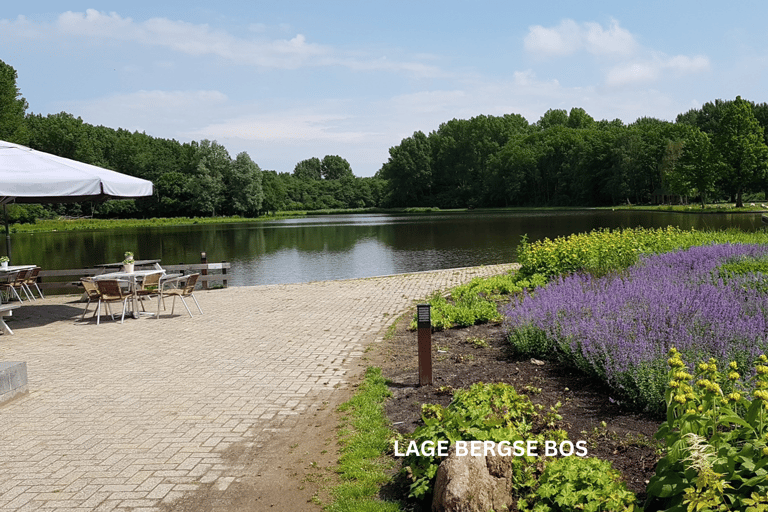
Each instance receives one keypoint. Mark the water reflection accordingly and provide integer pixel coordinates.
(345, 246)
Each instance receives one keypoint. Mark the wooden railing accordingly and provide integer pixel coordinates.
(212, 275)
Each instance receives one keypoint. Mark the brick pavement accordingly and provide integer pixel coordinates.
(135, 416)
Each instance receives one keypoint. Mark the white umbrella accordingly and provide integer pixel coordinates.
(30, 176)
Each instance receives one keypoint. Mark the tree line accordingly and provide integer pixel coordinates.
(566, 158)
(718, 152)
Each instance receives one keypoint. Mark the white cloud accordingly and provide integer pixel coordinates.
(685, 64)
(651, 70)
(614, 41)
(570, 37)
(280, 128)
(155, 112)
(564, 39)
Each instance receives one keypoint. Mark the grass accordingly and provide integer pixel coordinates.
(364, 437)
(48, 225)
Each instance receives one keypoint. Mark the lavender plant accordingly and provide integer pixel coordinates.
(621, 326)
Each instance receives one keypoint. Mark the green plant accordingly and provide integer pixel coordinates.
(493, 412)
(478, 342)
(476, 302)
(128, 258)
(575, 483)
(4, 259)
(716, 438)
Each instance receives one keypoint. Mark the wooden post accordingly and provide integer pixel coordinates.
(204, 272)
(424, 323)
(224, 272)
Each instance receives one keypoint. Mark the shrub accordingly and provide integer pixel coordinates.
(716, 437)
(620, 326)
(575, 483)
(603, 251)
(476, 302)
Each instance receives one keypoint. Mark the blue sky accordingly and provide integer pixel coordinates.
(286, 81)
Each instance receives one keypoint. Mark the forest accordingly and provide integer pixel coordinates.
(715, 153)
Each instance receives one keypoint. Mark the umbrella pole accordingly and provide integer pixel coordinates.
(7, 232)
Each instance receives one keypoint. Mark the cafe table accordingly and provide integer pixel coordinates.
(131, 278)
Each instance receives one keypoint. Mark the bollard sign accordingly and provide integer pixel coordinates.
(423, 316)
(424, 323)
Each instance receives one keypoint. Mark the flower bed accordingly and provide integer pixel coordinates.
(621, 326)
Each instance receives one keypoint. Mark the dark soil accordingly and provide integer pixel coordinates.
(459, 359)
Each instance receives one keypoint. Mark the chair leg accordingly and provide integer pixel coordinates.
(125, 303)
(185, 305)
(27, 292)
(38, 291)
(85, 310)
(98, 312)
(16, 294)
(196, 303)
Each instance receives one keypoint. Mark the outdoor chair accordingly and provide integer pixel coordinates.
(185, 289)
(13, 282)
(31, 280)
(92, 293)
(110, 291)
(149, 287)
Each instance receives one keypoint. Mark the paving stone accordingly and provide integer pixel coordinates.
(134, 415)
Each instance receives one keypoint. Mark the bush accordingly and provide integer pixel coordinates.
(575, 483)
(716, 437)
(619, 327)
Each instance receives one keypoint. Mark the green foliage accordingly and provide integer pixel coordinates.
(740, 141)
(716, 438)
(476, 302)
(12, 107)
(493, 412)
(575, 483)
(603, 251)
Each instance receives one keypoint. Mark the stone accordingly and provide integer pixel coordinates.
(13, 380)
(473, 484)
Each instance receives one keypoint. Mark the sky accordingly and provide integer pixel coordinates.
(286, 81)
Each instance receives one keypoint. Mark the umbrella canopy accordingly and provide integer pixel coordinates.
(30, 176)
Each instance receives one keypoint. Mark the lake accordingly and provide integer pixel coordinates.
(345, 246)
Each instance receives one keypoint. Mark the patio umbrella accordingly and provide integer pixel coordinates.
(30, 176)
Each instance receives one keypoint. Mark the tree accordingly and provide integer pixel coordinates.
(206, 186)
(274, 192)
(578, 118)
(553, 117)
(242, 186)
(741, 144)
(309, 169)
(409, 171)
(333, 167)
(13, 107)
(691, 165)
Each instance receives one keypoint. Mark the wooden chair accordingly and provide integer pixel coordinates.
(110, 291)
(184, 290)
(31, 280)
(14, 281)
(150, 287)
(92, 293)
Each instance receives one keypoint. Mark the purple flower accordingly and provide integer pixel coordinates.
(621, 326)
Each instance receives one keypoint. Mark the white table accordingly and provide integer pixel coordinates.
(131, 278)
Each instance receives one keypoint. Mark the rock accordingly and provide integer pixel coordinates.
(473, 484)
(537, 362)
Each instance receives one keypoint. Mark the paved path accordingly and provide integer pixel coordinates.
(134, 416)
